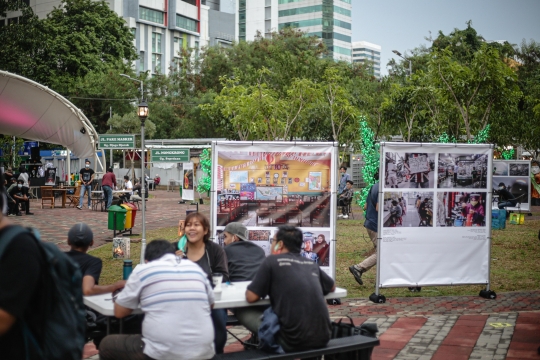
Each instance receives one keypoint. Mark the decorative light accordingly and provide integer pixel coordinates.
(370, 152)
(142, 110)
(206, 167)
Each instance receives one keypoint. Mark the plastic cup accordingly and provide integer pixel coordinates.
(217, 278)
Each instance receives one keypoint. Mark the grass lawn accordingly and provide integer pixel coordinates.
(515, 265)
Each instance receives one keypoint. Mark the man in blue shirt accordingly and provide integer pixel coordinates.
(344, 178)
(371, 225)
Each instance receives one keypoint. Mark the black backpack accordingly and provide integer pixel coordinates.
(64, 320)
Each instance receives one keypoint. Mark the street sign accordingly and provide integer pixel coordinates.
(169, 155)
(121, 141)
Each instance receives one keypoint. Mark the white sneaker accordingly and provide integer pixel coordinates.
(340, 216)
(79, 207)
(345, 216)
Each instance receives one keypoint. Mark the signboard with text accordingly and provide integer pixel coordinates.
(119, 142)
(169, 155)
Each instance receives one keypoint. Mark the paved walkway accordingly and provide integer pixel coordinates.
(455, 327)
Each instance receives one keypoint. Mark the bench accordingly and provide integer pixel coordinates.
(362, 345)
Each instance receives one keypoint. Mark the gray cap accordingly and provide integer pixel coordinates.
(80, 235)
(237, 229)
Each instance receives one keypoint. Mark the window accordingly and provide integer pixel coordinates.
(150, 15)
(178, 44)
(301, 23)
(141, 61)
(342, 11)
(196, 49)
(325, 35)
(134, 32)
(340, 50)
(156, 52)
(156, 43)
(186, 23)
(346, 1)
(342, 24)
(192, 2)
(13, 21)
(2, 22)
(156, 63)
(302, 10)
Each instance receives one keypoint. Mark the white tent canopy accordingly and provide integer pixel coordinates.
(35, 112)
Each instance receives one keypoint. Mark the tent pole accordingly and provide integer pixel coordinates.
(68, 158)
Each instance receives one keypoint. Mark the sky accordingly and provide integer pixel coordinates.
(402, 25)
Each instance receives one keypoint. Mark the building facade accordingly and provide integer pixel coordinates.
(367, 53)
(329, 20)
(162, 28)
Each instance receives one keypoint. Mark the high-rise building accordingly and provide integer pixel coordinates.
(329, 20)
(163, 27)
(367, 53)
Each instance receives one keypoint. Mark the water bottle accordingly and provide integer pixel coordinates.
(128, 267)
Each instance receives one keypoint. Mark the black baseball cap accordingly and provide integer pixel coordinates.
(80, 235)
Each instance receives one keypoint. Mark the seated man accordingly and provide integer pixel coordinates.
(127, 186)
(296, 287)
(137, 193)
(345, 199)
(506, 199)
(177, 323)
(17, 193)
(243, 256)
(12, 208)
(80, 238)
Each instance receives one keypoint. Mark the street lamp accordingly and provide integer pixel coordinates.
(404, 58)
(142, 113)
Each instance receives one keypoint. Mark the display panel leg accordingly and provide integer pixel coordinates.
(488, 294)
(377, 298)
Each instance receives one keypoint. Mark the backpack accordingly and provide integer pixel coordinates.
(64, 319)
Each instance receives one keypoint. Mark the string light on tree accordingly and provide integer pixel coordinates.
(370, 153)
(206, 167)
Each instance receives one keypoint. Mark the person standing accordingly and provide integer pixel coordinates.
(108, 183)
(86, 177)
(391, 174)
(371, 225)
(23, 175)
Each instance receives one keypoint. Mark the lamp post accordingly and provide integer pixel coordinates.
(404, 58)
(142, 112)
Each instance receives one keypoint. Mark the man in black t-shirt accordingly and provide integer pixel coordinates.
(86, 177)
(296, 287)
(80, 238)
(17, 194)
(243, 256)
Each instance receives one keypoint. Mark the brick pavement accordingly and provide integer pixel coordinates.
(451, 327)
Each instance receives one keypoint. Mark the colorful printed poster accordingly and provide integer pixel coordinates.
(188, 192)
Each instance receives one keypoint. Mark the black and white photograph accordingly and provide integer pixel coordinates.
(500, 168)
(409, 170)
(459, 209)
(469, 171)
(408, 209)
(519, 169)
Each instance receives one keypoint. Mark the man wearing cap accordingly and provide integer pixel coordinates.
(244, 257)
(87, 177)
(475, 208)
(505, 197)
(80, 238)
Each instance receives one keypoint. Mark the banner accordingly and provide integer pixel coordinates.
(515, 175)
(434, 214)
(292, 185)
(187, 182)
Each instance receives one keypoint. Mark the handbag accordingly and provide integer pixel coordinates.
(343, 329)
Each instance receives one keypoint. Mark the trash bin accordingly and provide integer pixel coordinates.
(117, 218)
(133, 212)
(129, 216)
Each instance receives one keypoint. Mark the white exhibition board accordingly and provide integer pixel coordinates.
(188, 192)
(267, 184)
(516, 175)
(443, 236)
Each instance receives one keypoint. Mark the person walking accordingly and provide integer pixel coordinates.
(87, 178)
(371, 225)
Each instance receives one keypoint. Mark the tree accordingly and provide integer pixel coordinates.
(10, 146)
(487, 84)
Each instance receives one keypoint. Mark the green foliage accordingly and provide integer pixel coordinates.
(131, 124)
(10, 150)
